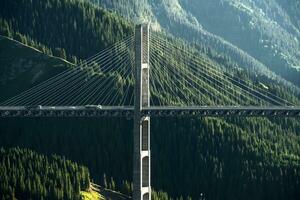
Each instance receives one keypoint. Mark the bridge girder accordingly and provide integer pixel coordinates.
(128, 112)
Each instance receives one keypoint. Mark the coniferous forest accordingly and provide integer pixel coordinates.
(26, 174)
(192, 158)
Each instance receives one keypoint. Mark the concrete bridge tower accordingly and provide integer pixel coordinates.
(141, 143)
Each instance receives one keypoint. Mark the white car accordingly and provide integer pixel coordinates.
(92, 107)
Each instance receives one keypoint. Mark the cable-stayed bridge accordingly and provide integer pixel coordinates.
(147, 75)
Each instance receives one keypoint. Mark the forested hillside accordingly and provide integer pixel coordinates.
(260, 34)
(27, 65)
(293, 8)
(71, 25)
(26, 174)
(244, 158)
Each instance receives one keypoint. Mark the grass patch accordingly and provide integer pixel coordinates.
(92, 195)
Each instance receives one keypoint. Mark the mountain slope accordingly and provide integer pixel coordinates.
(74, 25)
(258, 35)
(25, 64)
(262, 29)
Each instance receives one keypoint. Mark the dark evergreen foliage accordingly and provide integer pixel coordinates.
(25, 174)
(74, 25)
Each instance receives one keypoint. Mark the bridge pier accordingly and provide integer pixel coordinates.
(141, 132)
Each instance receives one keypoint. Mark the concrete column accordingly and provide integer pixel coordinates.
(141, 143)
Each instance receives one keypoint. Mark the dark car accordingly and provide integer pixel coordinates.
(33, 107)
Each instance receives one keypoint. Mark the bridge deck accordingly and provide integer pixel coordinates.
(127, 111)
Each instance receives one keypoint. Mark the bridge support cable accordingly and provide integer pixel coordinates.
(195, 74)
(129, 87)
(102, 86)
(204, 75)
(192, 78)
(178, 90)
(70, 86)
(173, 82)
(153, 90)
(71, 89)
(77, 71)
(237, 81)
(141, 127)
(165, 82)
(198, 71)
(95, 94)
(85, 89)
(208, 65)
(125, 96)
(67, 73)
(177, 96)
(180, 50)
(71, 70)
(155, 81)
(112, 98)
(252, 92)
(68, 90)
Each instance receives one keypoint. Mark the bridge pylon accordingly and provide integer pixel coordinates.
(141, 132)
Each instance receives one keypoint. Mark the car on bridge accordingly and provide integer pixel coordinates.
(93, 107)
(33, 107)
